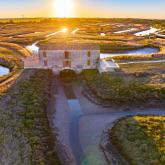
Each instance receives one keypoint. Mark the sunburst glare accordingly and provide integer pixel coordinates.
(63, 8)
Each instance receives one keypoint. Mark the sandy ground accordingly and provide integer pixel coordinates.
(82, 133)
(59, 118)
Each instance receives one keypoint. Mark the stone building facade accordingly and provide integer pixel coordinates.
(65, 56)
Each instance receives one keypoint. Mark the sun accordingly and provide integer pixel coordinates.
(63, 8)
(64, 30)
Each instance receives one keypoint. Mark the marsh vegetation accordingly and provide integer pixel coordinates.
(25, 94)
(140, 139)
(128, 86)
(25, 118)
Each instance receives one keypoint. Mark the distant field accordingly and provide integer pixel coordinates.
(140, 139)
(92, 20)
(27, 31)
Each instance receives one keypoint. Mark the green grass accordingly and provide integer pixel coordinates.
(132, 68)
(117, 46)
(35, 101)
(140, 139)
(9, 59)
(127, 58)
(18, 49)
(121, 89)
(28, 112)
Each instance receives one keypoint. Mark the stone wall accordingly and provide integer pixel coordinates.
(79, 59)
(32, 62)
(54, 59)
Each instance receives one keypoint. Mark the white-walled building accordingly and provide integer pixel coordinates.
(70, 56)
(65, 56)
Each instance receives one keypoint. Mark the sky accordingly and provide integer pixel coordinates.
(83, 8)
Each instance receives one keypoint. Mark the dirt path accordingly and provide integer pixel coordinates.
(81, 124)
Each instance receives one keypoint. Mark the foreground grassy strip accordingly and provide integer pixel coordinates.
(140, 139)
(129, 58)
(132, 68)
(119, 89)
(26, 137)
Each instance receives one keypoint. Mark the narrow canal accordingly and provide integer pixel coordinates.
(140, 51)
(4, 71)
(75, 113)
(81, 123)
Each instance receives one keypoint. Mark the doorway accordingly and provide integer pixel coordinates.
(67, 59)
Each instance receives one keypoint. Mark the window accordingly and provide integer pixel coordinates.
(67, 64)
(67, 59)
(44, 54)
(79, 66)
(89, 62)
(45, 62)
(89, 58)
(89, 53)
(67, 55)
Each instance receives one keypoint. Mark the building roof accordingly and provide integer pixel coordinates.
(70, 46)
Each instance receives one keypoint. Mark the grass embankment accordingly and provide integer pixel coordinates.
(21, 51)
(25, 118)
(140, 139)
(9, 59)
(129, 58)
(117, 47)
(121, 89)
(132, 68)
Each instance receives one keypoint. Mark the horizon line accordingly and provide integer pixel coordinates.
(80, 18)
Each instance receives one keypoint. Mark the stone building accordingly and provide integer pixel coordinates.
(65, 56)
(76, 57)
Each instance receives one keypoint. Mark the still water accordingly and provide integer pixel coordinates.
(141, 51)
(4, 71)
